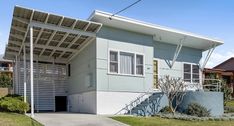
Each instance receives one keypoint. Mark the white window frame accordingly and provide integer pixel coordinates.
(110, 61)
(118, 72)
(191, 69)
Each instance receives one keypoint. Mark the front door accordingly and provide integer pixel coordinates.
(155, 74)
(60, 103)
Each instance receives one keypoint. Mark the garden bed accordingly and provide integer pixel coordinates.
(225, 117)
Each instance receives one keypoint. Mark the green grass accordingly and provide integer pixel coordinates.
(157, 121)
(230, 103)
(13, 119)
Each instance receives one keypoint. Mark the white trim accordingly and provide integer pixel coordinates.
(191, 64)
(149, 25)
(118, 73)
(31, 71)
(63, 29)
(25, 78)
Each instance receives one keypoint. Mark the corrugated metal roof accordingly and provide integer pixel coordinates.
(50, 40)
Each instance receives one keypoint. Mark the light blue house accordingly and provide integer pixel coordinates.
(101, 64)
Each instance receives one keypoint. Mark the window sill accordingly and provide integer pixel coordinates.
(129, 75)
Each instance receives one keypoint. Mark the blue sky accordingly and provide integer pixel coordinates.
(213, 18)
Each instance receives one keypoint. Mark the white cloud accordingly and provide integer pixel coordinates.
(218, 57)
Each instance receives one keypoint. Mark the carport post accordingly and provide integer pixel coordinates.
(31, 71)
(25, 89)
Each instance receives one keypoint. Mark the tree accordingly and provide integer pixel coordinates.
(227, 92)
(5, 81)
(174, 89)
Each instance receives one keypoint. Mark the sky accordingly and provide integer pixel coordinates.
(212, 18)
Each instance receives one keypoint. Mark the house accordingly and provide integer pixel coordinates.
(100, 64)
(223, 71)
(6, 70)
(6, 67)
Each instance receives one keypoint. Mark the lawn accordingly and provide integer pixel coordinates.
(156, 121)
(13, 119)
(230, 103)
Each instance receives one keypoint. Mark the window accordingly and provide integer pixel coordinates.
(191, 73)
(139, 64)
(187, 72)
(195, 73)
(126, 63)
(155, 65)
(113, 62)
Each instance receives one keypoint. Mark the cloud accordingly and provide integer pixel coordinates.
(218, 57)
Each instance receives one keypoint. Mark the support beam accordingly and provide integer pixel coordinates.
(51, 37)
(82, 46)
(25, 83)
(17, 36)
(16, 74)
(13, 48)
(52, 47)
(41, 30)
(31, 71)
(20, 29)
(25, 35)
(22, 20)
(42, 58)
(15, 42)
(177, 51)
(63, 29)
(208, 56)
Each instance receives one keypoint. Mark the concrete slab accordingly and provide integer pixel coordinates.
(75, 119)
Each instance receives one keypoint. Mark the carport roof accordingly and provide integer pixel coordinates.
(53, 35)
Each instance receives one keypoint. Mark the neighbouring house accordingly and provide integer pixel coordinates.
(100, 64)
(223, 71)
(6, 69)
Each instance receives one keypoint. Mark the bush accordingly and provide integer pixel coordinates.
(196, 109)
(13, 104)
(15, 96)
(166, 109)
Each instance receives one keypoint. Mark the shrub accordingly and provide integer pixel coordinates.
(166, 109)
(13, 104)
(196, 109)
(15, 96)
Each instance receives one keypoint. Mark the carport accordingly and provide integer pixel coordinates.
(42, 45)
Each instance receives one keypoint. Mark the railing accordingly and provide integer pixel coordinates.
(207, 85)
(212, 85)
(6, 68)
(134, 103)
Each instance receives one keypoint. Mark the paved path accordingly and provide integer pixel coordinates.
(75, 119)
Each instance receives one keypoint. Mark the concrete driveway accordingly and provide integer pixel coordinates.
(75, 119)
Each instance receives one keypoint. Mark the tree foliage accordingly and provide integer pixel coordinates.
(227, 92)
(174, 89)
(5, 81)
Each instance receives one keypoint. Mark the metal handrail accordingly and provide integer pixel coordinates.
(214, 86)
(135, 102)
(196, 86)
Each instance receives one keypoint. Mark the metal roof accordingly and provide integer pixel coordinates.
(53, 35)
(159, 33)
